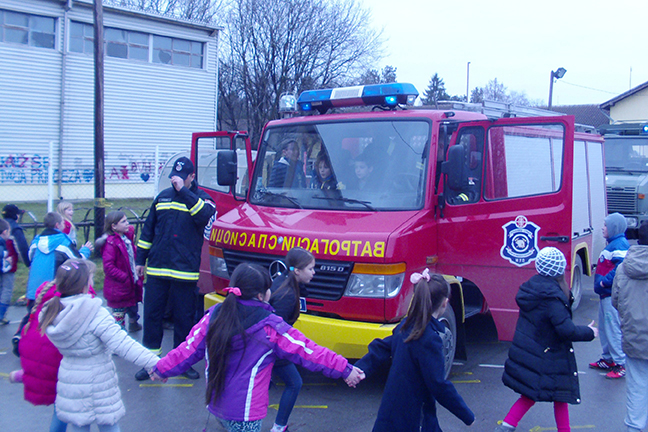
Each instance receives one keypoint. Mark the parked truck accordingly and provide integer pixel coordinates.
(470, 192)
(626, 168)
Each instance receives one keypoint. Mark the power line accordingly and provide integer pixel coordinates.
(588, 88)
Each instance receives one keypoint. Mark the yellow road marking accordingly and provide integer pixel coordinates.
(166, 385)
(466, 381)
(2, 374)
(276, 406)
(540, 429)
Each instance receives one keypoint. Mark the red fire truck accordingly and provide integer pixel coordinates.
(471, 192)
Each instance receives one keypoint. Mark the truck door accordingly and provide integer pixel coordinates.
(508, 193)
(205, 148)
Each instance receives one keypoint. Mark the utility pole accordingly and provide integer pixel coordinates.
(99, 172)
(468, 82)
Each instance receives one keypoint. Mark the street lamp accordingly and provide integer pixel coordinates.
(559, 73)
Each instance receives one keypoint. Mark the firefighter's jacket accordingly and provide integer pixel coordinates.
(172, 235)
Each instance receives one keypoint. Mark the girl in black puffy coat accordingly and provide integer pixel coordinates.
(541, 364)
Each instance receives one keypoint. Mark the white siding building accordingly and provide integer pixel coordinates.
(160, 86)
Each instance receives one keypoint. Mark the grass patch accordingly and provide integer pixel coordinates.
(83, 211)
(22, 274)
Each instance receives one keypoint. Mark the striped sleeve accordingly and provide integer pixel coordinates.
(290, 344)
(189, 352)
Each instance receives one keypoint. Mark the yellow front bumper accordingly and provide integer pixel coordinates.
(347, 338)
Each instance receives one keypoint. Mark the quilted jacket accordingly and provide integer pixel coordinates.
(86, 335)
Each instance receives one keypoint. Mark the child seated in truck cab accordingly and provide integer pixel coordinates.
(323, 177)
(288, 171)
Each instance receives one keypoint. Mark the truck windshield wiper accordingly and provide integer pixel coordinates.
(262, 193)
(346, 200)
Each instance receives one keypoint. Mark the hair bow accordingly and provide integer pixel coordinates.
(416, 277)
(234, 290)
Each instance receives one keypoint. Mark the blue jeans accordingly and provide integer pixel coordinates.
(102, 428)
(610, 332)
(290, 376)
(57, 425)
(636, 393)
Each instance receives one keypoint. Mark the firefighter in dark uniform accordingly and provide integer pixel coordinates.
(171, 242)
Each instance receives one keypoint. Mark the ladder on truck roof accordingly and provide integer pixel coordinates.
(494, 110)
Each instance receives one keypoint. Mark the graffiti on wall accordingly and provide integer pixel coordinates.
(32, 169)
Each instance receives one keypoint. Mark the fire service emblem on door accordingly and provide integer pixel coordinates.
(520, 241)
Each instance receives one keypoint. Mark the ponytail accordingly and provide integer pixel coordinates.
(429, 294)
(251, 280)
(39, 300)
(51, 309)
(297, 258)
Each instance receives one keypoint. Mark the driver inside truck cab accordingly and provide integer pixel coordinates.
(465, 158)
(288, 171)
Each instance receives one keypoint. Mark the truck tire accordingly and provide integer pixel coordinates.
(577, 282)
(449, 338)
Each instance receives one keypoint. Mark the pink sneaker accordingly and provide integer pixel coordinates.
(16, 376)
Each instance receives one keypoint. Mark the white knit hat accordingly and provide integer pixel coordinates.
(550, 262)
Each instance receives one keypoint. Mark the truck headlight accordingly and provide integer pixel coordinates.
(378, 286)
(217, 263)
(376, 280)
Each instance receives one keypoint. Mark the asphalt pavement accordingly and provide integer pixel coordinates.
(329, 405)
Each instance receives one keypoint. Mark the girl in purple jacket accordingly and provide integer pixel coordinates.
(243, 339)
(122, 286)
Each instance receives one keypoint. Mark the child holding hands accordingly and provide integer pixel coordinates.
(122, 285)
(285, 299)
(243, 339)
(417, 374)
(87, 335)
(541, 364)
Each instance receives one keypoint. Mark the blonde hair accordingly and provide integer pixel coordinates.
(72, 278)
(61, 207)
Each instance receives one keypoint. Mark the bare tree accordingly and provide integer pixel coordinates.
(279, 46)
(196, 10)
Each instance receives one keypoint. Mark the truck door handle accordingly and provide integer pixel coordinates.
(559, 239)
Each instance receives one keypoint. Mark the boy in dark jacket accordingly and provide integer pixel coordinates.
(8, 263)
(630, 298)
(541, 364)
(613, 357)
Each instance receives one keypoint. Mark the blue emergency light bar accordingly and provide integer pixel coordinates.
(388, 95)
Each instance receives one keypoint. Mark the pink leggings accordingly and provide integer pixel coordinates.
(522, 405)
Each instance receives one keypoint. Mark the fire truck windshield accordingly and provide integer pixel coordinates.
(359, 166)
(626, 153)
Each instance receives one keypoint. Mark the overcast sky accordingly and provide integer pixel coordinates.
(519, 42)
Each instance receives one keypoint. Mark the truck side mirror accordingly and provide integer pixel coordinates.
(226, 167)
(454, 168)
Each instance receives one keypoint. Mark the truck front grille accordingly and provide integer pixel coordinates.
(330, 279)
(622, 200)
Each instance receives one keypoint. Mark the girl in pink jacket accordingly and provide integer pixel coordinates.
(122, 287)
(39, 358)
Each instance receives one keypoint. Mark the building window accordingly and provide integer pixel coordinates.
(81, 38)
(135, 45)
(177, 52)
(126, 44)
(27, 29)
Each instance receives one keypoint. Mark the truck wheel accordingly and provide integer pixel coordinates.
(577, 282)
(449, 338)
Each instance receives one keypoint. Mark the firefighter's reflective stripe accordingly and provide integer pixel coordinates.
(144, 244)
(195, 209)
(176, 274)
(171, 206)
